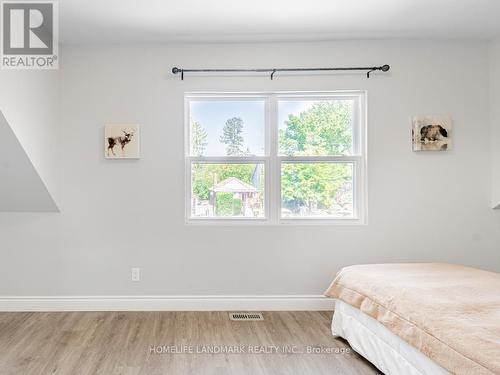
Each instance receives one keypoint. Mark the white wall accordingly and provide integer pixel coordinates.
(29, 101)
(495, 119)
(119, 214)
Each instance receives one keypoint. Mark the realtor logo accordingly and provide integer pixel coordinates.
(29, 35)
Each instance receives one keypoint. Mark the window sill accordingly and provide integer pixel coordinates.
(281, 222)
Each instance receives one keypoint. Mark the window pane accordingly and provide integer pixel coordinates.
(227, 190)
(315, 127)
(316, 190)
(227, 127)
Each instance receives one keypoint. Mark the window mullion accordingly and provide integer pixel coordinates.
(227, 160)
(320, 159)
(274, 170)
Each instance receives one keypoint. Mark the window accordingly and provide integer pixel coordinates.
(276, 158)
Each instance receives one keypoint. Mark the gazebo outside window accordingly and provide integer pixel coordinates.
(245, 197)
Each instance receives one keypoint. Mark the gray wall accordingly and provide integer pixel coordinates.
(495, 119)
(21, 188)
(118, 214)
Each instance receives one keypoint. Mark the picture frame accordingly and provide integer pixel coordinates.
(432, 133)
(122, 141)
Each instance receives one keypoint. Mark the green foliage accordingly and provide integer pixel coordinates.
(198, 138)
(227, 205)
(202, 181)
(232, 137)
(324, 129)
(308, 184)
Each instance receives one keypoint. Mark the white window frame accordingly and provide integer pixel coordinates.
(272, 161)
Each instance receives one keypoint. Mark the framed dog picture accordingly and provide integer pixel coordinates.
(432, 133)
(122, 141)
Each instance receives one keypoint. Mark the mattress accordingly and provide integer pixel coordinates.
(450, 313)
(389, 353)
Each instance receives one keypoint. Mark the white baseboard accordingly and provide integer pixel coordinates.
(167, 303)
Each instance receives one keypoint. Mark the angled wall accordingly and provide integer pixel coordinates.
(29, 101)
(21, 188)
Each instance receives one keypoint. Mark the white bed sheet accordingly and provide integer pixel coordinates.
(389, 353)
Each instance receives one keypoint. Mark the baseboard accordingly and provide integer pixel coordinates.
(167, 303)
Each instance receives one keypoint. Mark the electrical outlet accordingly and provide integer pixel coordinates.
(136, 274)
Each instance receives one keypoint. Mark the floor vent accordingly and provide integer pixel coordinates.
(246, 316)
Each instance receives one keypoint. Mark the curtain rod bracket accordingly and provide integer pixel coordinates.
(176, 70)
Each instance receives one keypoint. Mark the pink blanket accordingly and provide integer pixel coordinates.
(450, 313)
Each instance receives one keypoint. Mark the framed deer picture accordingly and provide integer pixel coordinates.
(122, 141)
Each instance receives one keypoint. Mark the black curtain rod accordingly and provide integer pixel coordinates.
(383, 68)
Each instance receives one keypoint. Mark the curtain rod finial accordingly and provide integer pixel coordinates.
(176, 70)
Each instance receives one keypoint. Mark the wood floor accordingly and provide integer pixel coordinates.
(131, 343)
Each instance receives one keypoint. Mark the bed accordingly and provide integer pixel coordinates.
(420, 319)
